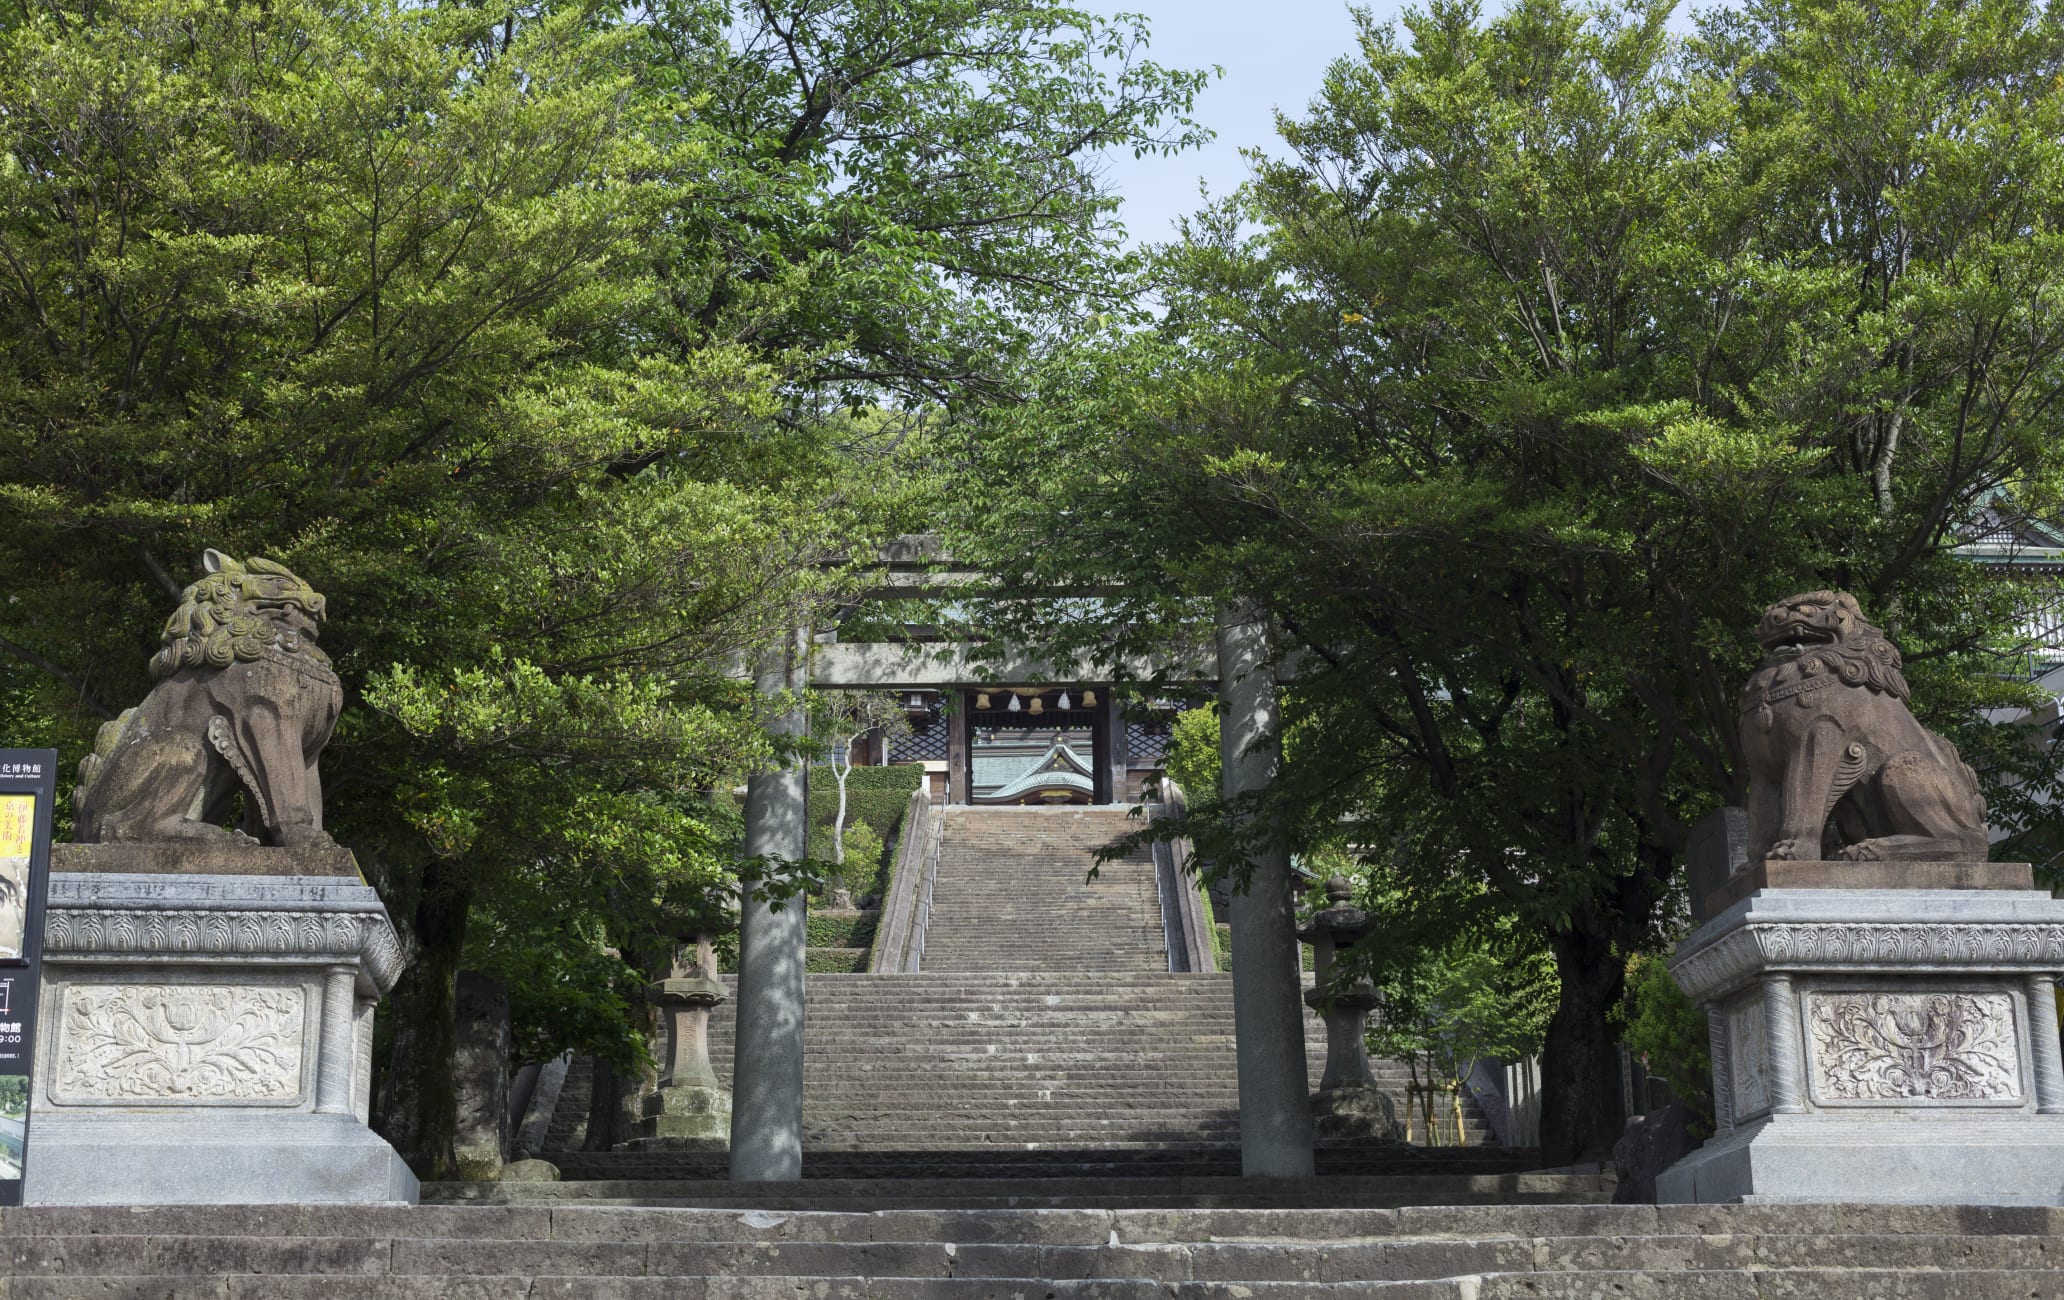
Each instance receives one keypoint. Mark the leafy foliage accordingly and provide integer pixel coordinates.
(1556, 349)
(1193, 758)
(1667, 1032)
(570, 351)
(1443, 1012)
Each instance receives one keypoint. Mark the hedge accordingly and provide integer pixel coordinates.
(878, 796)
(835, 961)
(842, 929)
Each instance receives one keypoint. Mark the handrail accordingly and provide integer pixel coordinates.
(923, 923)
(899, 908)
(1182, 908)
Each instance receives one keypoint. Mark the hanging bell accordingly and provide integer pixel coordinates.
(1038, 705)
(981, 699)
(1089, 699)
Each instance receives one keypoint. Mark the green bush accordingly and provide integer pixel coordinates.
(1667, 1031)
(1193, 759)
(863, 863)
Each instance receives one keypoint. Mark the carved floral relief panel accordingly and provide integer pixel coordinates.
(1748, 1058)
(180, 1044)
(1913, 1048)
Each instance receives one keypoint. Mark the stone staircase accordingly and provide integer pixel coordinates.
(1026, 1062)
(1543, 1252)
(916, 1069)
(1043, 1038)
(1012, 894)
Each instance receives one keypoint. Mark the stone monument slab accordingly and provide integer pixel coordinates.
(1718, 848)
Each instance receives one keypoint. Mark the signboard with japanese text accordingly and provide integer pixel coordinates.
(28, 790)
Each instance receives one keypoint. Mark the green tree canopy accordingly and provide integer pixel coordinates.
(1555, 350)
(572, 353)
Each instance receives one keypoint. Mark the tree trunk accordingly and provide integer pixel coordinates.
(838, 823)
(605, 1106)
(1580, 1061)
(418, 1109)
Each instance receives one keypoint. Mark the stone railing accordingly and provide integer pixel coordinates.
(899, 937)
(1182, 906)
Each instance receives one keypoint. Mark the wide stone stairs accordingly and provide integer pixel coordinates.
(1013, 893)
(1043, 1041)
(1548, 1252)
(1026, 1077)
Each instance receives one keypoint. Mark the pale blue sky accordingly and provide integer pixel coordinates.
(1274, 55)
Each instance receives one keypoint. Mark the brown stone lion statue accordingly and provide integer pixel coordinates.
(1838, 766)
(244, 703)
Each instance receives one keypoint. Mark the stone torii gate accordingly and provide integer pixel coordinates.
(1268, 1013)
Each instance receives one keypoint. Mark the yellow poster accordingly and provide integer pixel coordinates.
(17, 830)
(17, 824)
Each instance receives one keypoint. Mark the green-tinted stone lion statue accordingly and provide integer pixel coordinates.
(244, 703)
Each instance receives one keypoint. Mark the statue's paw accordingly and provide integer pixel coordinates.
(1789, 851)
(304, 837)
(1863, 851)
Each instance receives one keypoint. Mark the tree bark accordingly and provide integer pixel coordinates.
(605, 1107)
(1580, 1061)
(418, 1109)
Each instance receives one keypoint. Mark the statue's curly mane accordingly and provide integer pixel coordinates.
(1861, 655)
(218, 623)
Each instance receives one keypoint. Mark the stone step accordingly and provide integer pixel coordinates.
(1759, 1284)
(555, 1242)
(973, 1196)
(1430, 1221)
(1215, 1161)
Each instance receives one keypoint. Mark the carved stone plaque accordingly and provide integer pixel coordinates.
(179, 1044)
(1747, 1057)
(1913, 1049)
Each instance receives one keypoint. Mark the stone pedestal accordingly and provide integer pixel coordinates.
(1892, 1045)
(690, 1111)
(207, 1038)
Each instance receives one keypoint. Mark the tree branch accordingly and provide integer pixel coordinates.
(158, 571)
(76, 683)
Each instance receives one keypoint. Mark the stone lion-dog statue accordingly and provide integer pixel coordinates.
(1832, 747)
(244, 702)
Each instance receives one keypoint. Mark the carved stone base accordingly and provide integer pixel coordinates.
(1879, 1045)
(208, 1039)
(685, 1117)
(1361, 1113)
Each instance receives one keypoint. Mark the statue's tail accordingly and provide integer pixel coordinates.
(105, 743)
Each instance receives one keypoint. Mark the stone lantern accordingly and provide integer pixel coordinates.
(690, 1110)
(1348, 1102)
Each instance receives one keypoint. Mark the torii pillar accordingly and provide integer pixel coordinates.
(1268, 1012)
(767, 1065)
